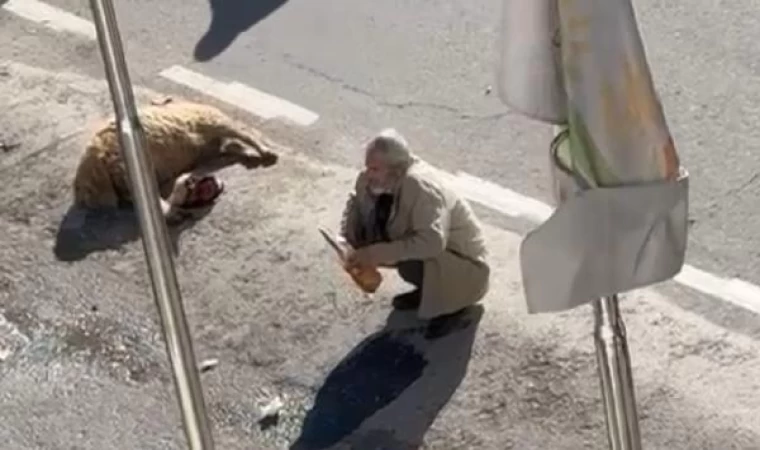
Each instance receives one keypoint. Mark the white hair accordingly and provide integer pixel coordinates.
(393, 147)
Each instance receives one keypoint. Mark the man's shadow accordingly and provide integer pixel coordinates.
(83, 232)
(389, 389)
(229, 18)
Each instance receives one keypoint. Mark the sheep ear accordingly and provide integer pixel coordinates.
(161, 100)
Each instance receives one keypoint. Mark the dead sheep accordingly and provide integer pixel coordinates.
(181, 138)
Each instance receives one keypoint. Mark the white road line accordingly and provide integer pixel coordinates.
(503, 200)
(491, 195)
(733, 290)
(51, 17)
(510, 203)
(249, 99)
(259, 103)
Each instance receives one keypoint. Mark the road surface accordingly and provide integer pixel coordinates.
(82, 363)
(425, 68)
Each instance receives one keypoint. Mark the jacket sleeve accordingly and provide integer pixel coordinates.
(428, 238)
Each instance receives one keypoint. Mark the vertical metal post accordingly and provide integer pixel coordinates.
(613, 359)
(155, 237)
(615, 375)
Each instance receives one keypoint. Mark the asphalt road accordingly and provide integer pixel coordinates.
(425, 67)
(85, 366)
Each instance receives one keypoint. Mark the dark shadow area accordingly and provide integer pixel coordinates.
(229, 18)
(83, 232)
(388, 391)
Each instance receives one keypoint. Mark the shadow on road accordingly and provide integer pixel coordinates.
(83, 232)
(229, 18)
(388, 391)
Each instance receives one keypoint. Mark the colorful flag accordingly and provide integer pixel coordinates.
(621, 222)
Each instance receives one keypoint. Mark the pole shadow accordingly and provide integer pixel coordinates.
(389, 389)
(83, 232)
(229, 18)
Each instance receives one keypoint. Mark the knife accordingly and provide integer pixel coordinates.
(333, 243)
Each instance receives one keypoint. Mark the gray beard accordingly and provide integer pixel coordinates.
(387, 189)
(375, 190)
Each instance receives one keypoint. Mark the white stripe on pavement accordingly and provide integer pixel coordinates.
(486, 193)
(503, 200)
(513, 204)
(733, 290)
(247, 98)
(51, 17)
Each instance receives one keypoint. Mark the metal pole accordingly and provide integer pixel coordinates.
(153, 226)
(615, 375)
(613, 360)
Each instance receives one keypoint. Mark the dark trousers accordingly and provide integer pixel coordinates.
(412, 272)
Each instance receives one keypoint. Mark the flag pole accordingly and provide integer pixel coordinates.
(614, 366)
(153, 226)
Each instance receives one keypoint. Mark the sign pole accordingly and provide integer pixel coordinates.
(154, 234)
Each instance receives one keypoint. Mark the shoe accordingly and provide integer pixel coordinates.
(407, 301)
(443, 325)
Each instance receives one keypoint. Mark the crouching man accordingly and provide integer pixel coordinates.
(400, 215)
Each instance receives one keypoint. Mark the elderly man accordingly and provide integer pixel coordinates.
(402, 216)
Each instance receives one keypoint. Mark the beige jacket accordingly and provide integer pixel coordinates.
(431, 223)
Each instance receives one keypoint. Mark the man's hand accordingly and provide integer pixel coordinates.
(360, 257)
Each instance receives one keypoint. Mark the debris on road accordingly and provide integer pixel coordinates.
(208, 364)
(9, 147)
(269, 413)
(11, 339)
